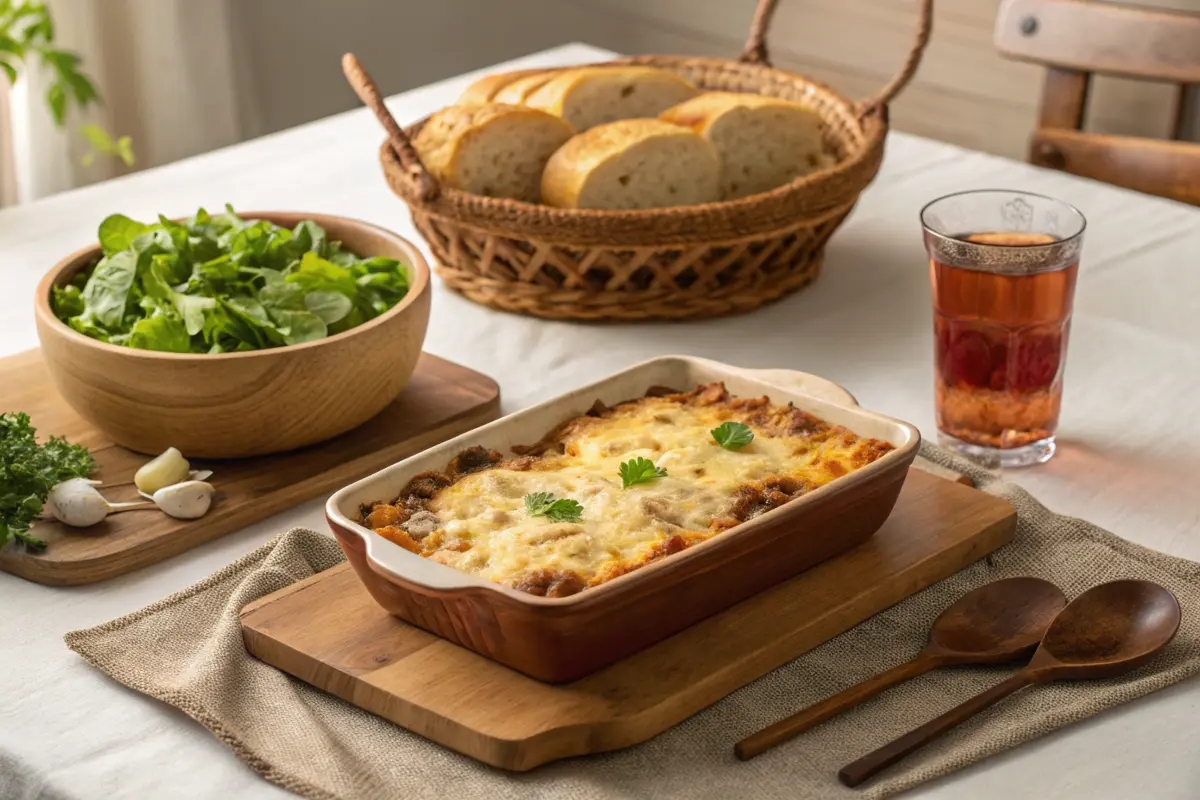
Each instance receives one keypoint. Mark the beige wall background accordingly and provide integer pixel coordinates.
(964, 94)
(182, 77)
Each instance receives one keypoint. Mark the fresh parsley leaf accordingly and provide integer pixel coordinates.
(220, 284)
(543, 504)
(639, 470)
(732, 435)
(31, 542)
(28, 471)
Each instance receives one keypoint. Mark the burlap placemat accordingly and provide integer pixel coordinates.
(187, 651)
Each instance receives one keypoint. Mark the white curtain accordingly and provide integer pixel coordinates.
(8, 177)
(166, 72)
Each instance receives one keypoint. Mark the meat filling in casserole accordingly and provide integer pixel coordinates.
(618, 488)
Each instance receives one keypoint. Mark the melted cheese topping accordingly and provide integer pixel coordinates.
(483, 527)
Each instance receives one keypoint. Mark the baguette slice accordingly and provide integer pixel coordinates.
(632, 163)
(590, 96)
(495, 150)
(484, 90)
(519, 90)
(764, 142)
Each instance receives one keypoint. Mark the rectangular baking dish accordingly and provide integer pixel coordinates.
(562, 639)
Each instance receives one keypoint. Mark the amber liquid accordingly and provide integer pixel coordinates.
(1001, 344)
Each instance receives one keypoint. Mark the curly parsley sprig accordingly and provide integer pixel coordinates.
(27, 473)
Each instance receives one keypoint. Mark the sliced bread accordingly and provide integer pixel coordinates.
(519, 90)
(590, 96)
(493, 149)
(632, 163)
(484, 90)
(764, 142)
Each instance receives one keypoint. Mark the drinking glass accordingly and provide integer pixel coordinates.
(1002, 265)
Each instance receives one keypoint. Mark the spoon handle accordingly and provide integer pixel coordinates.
(830, 707)
(873, 762)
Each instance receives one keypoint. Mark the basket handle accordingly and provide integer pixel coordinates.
(755, 52)
(368, 92)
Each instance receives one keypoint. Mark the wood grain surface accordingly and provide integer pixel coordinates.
(1154, 166)
(442, 400)
(1108, 38)
(329, 632)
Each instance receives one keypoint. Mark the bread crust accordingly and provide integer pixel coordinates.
(484, 89)
(568, 171)
(635, 93)
(447, 134)
(518, 92)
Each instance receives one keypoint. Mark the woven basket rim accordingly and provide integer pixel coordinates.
(819, 195)
(872, 127)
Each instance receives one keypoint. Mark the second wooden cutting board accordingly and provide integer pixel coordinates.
(442, 400)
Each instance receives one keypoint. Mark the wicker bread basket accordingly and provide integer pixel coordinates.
(669, 263)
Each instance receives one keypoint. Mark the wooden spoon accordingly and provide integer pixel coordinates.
(994, 624)
(1107, 631)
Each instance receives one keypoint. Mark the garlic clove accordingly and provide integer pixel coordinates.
(165, 469)
(77, 503)
(186, 500)
(194, 475)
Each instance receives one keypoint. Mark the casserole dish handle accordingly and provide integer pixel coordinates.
(804, 383)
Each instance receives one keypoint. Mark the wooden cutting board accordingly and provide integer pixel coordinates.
(329, 632)
(442, 400)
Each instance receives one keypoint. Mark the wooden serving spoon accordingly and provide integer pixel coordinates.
(1107, 631)
(994, 624)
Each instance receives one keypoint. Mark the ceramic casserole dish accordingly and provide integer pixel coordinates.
(564, 638)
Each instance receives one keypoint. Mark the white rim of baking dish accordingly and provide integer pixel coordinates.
(390, 560)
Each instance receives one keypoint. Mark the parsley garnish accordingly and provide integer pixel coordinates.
(732, 435)
(543, 504)
(27, 473)
(640, 470)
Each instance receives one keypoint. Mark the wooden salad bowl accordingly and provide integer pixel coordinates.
(235, 405)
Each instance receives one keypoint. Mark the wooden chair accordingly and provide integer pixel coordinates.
(1078, 38)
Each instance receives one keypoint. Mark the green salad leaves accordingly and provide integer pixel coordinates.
(27, 473)
(218, 283)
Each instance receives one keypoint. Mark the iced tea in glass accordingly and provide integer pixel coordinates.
(1002, 266)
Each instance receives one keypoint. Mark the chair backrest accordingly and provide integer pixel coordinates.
(1075, 39)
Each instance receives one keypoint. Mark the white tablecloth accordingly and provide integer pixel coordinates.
(1129, 458)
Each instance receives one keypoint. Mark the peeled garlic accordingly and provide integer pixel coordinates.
(168, 468)
(187, 500)
(77, 503)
